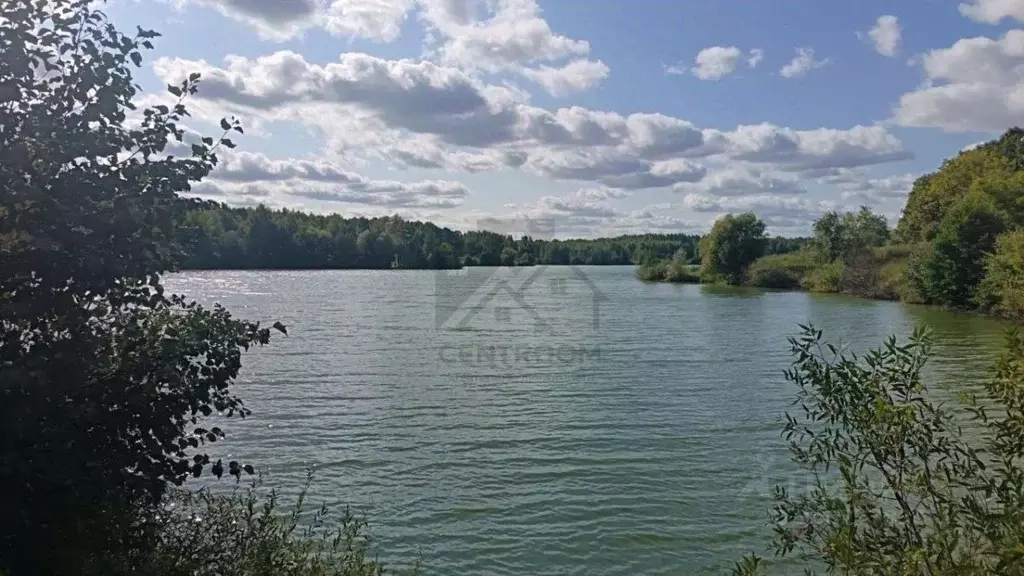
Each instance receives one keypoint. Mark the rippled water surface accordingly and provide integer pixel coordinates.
(545, 420)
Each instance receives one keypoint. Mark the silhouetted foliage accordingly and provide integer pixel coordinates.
(104, 377)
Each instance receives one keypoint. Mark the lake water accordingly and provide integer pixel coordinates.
(544, 420)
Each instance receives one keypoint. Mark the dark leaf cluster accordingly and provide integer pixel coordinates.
(104, 377)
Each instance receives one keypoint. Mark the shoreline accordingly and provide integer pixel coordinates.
(399, 269)
(1017, 322)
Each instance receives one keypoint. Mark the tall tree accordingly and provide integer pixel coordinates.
(103, 376)
(732, 245)
(952, 267)
(1002, 289)
(934, 194)
(847, 235)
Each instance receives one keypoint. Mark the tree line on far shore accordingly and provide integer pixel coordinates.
(959, 242)
(223, 237)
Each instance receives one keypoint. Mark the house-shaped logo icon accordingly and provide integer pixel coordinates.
(553, 299)
(559, 300)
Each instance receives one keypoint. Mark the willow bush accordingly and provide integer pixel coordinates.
(897, 487)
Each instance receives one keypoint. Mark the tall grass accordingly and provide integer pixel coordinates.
(780, 270)
(248, 532)
(668, 271)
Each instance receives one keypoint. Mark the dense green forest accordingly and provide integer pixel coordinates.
(959, 242)
(220, 236)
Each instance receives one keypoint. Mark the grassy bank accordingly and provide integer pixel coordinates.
(892, 272)
(880, 273)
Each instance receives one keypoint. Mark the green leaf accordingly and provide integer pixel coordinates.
(224, 124)
(174, 90)
(136, 58)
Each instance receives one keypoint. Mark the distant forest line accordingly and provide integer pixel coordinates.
(217, 236)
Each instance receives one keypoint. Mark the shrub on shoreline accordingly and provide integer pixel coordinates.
(672, 271)
(780, 270)
(1002, 289)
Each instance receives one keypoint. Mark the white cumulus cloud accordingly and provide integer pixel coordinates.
(509, 35)
(993, 11)
(886, 35)
(802, 63)
(976, 85)
(416, 113)
(715, 62)
(575, 76)
(245, 175)
(377, 20)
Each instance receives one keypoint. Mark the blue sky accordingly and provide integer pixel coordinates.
(605, 116)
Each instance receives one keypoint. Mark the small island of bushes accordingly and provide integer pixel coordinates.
(959, 243)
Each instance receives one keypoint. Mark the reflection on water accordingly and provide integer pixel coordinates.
(714, 290)
(965, 346)
(646, 442)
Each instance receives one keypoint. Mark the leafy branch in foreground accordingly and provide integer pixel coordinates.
(898, 487)
(104, 378)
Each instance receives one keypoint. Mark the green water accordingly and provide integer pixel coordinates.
(558, 421)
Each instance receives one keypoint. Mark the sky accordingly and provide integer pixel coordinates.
(599, 117)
